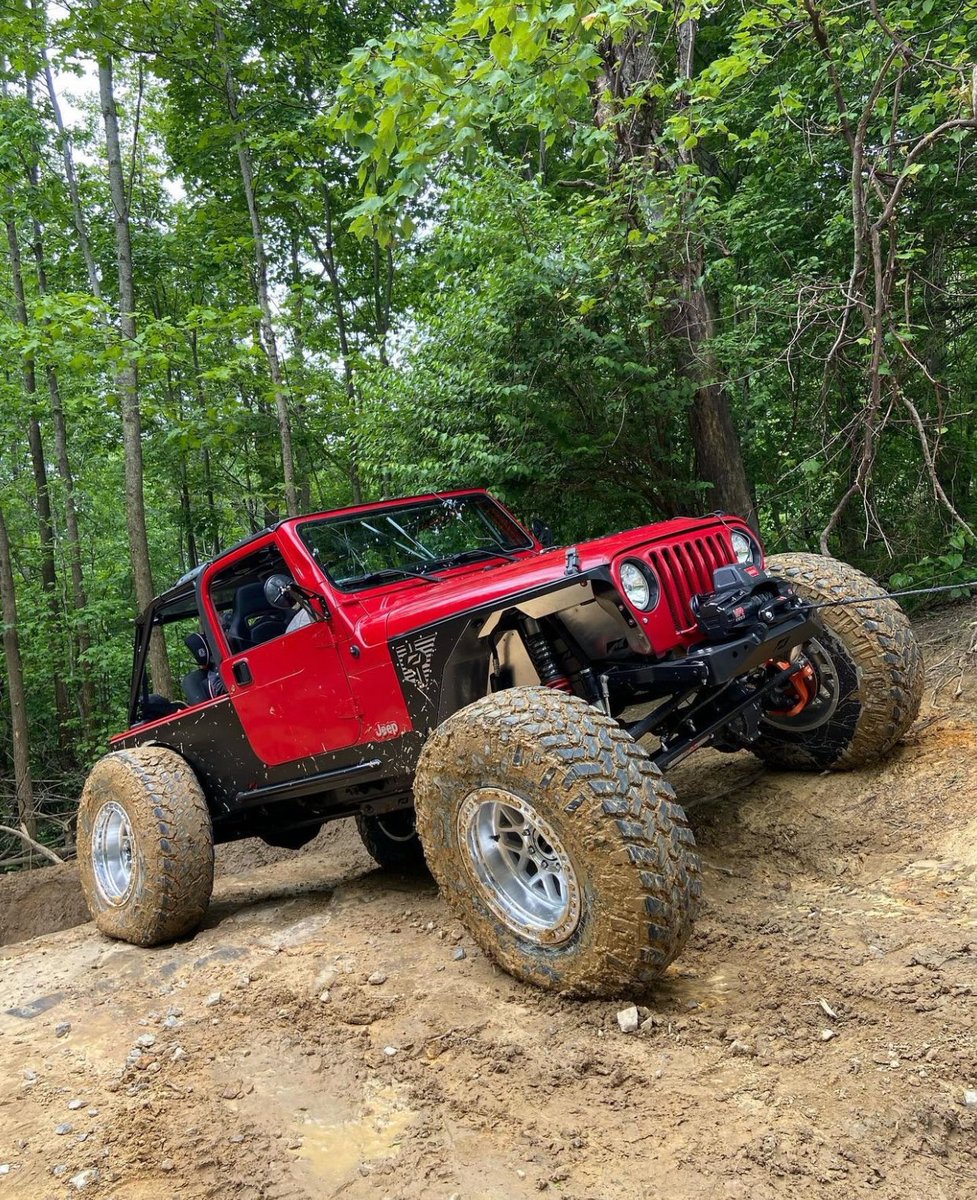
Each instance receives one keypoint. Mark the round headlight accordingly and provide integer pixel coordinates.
(744, 547)
(640, 587)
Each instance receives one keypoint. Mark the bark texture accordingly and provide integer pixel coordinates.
(45, 521)
(127, 383)
(624, 103)
(268, 339)
(23, 782)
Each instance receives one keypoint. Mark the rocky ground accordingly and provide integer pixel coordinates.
(332, 1032)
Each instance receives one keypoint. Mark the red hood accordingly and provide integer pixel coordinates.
(383, 615)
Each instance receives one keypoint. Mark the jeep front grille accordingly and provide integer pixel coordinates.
(685, 568)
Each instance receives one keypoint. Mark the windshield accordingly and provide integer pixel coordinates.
(412, 539)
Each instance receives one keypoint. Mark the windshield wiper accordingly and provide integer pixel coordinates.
(388, 573)
(463, 556)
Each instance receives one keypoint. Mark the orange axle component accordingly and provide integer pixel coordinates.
(805, 686)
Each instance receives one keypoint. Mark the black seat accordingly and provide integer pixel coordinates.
(195, 686)
(270, 626)
(195, 683)
(249, 602)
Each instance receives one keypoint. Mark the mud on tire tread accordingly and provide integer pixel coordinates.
(880, 642)
(174, 846)
(630, 843)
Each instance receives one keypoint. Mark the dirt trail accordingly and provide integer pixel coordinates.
(817, 1038)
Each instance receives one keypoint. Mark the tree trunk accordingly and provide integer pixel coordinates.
(326, 254)
(186, 507)
(69, 173)
(631, 65)
(261, 280)
(717, 449)
(212, 517)
(126, 383)
(383, 279)
(45, 523)
(297, 376)
(23, 783)
(86, 698)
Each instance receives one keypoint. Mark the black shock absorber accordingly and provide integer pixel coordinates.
(541, 655)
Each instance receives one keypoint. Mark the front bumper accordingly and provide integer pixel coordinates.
(713, 663)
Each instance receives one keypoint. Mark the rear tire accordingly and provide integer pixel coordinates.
(391, 840)
(871, 660)
(145, 846)
(557, 842)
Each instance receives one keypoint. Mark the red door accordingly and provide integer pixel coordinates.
(293, 696)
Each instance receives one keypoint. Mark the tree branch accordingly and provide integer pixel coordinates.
(26, 837)
(923, 144)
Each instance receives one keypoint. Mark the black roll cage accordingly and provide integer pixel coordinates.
(156, 615)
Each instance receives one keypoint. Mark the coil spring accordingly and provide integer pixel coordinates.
(543, 659)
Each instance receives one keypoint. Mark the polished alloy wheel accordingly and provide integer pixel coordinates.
(112, 852)
(520, 866)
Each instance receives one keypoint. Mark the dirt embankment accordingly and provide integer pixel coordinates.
(331, 1032)
(41, 901)
(49, 899)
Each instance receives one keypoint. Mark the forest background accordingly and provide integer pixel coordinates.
(614, 261)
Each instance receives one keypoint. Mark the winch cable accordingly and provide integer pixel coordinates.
(926, 591)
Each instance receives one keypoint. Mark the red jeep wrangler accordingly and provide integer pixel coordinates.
(480, 700)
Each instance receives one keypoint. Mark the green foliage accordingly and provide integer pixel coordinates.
(481, 225)
(531, 366)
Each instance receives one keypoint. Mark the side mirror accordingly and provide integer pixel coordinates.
(542, 533)
(278, 591)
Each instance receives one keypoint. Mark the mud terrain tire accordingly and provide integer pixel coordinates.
(157, 887)
(391, 840)
(877, 663)
(596, 803)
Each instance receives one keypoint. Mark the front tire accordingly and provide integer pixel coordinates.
(145, 846)
(869, 669)
(557, 842)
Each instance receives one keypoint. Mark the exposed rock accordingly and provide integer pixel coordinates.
(81, 1181)
(742, 1048)
(325, 979)
(628, 1019)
